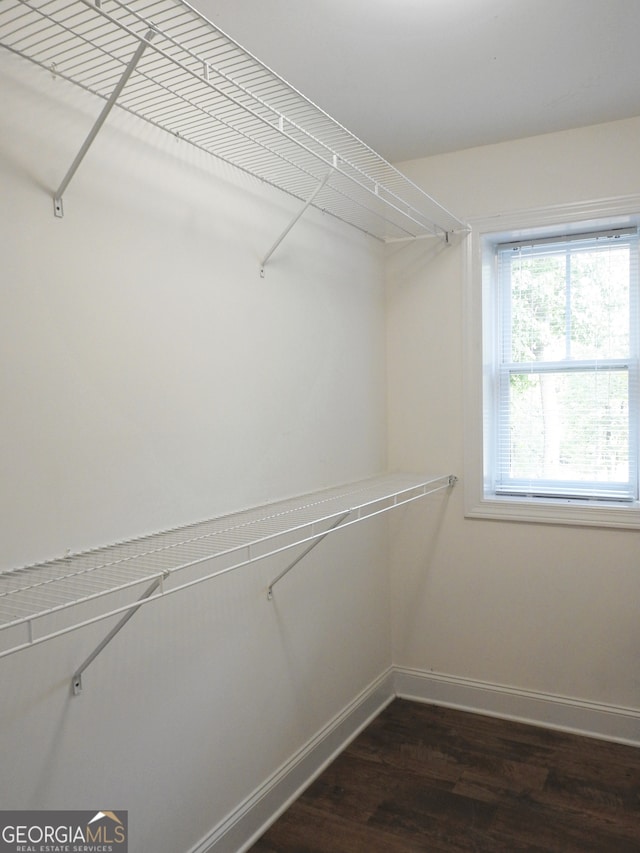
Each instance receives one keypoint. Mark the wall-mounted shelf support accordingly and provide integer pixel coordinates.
(302, 210)
(46, 600)
(300, 557)
(200, 86)
(76, 680)
(58, 208)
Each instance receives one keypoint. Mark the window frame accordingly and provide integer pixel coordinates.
(479, 336)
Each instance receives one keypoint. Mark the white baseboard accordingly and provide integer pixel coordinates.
(590, 719)
(252, 817)
(246, 823)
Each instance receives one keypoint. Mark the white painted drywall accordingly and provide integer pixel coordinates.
(149, 377)
(545, 608)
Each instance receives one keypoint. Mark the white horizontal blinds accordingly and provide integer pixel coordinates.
(567, 378)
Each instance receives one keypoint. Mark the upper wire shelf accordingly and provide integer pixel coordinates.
(198, 84)
(42, 601)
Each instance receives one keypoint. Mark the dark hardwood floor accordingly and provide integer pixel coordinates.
(424, 778)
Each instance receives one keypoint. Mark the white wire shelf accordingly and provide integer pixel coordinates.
(198, 84)
(29, 595)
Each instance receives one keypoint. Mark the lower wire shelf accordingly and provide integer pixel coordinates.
(43, 601)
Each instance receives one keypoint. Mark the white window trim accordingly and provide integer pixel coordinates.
(622, 212)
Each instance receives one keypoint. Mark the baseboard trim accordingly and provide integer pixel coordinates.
(590, 719)
(241, 829)
(252, 818)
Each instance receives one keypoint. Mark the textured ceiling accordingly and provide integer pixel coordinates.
(418, 77)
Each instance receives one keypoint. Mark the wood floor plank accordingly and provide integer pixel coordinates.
(311, 831)
(426, 778)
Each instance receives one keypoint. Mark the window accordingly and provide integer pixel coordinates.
(556, 312)
(565, 371)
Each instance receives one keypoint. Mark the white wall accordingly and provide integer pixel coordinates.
(149, 377)
(539, 608)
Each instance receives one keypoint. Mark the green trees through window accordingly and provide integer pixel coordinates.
(567, 367)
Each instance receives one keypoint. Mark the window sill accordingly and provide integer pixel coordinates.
(556, 511)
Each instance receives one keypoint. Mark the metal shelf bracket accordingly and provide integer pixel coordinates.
(58, 208)
(451, 480)
(307, 204)
(300, 557)
(76, 681)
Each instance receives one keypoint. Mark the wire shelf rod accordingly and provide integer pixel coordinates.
(243, 524)
(114, 566)
(273, 182)
(250, 530)
(256, 529)
(214, 76)
(202, 148)
(63, 23)
(51, 610)
(60, 585)
(402, 498)
(251, 140)
(328, 151)
(90, 579)
(95, 72)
